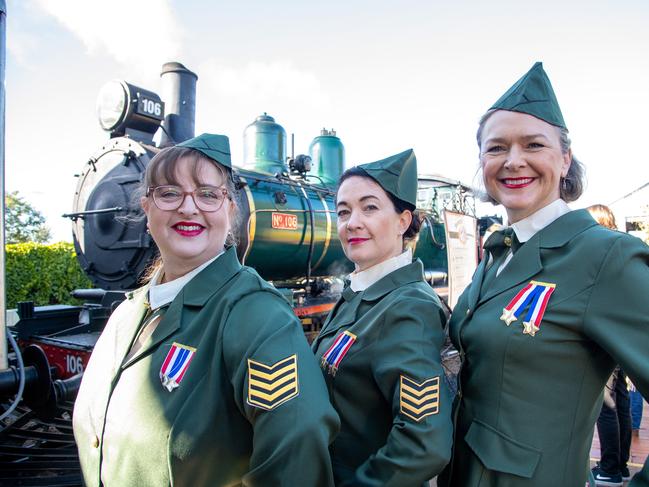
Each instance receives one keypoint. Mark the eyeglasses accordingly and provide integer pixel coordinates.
(170, 198)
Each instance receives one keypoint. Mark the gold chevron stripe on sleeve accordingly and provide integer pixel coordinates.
(266, 386)
(268, 368)
(419, 412)
(276, 394)
(271, 377)
(272, 385)
(414, 393)
(418, 400)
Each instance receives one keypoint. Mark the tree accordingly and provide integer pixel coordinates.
(23, 223)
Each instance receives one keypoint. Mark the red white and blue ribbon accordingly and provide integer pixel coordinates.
(175, 365)
(334, 355)
(534, 297)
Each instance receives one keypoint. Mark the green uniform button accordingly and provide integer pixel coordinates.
(508, 241)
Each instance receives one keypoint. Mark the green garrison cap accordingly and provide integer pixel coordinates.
(397, 175)
(214, 146)
(533, 94)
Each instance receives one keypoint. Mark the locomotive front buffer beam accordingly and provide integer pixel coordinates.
(41, 393)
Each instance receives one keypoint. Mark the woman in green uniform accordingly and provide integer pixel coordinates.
(380, 347)
(203, 377)
(555, 304)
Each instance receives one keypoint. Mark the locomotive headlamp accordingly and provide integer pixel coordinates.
(126, 109)
(111, 104)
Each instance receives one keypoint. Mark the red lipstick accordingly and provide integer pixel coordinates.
(356, 240)
(188, 229)
(516, 183)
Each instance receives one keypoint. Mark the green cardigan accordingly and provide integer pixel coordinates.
(388, 388)
(216, 428)
(528, 402)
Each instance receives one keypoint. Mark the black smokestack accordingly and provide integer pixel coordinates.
(179, 95)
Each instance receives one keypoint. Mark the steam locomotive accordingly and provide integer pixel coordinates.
(287, 233)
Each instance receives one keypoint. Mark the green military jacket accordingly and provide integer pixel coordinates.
(251, 408)
(528, 401)
(387, 385)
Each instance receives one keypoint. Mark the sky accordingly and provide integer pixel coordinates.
(385, 75)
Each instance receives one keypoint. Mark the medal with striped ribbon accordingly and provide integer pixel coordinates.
(175, 365)
(535, 295)
(334, 355)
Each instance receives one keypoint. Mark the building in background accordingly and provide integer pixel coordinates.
(632, 212)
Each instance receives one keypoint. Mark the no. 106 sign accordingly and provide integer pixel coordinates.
(284, 221)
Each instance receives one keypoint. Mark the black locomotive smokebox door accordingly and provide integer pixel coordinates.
(105, 228)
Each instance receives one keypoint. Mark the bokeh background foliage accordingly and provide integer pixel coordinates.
(43, 273)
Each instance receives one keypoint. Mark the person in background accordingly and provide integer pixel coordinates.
(556, 304)
(636, 409)
(379, 348)
(203, 377)
(614, 421)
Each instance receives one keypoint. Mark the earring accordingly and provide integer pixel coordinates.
(564, 184)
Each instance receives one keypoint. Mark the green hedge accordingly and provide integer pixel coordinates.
(42, 273)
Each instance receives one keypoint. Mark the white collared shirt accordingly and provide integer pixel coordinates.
(360, 281)
(165, 293)
(526, 228)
